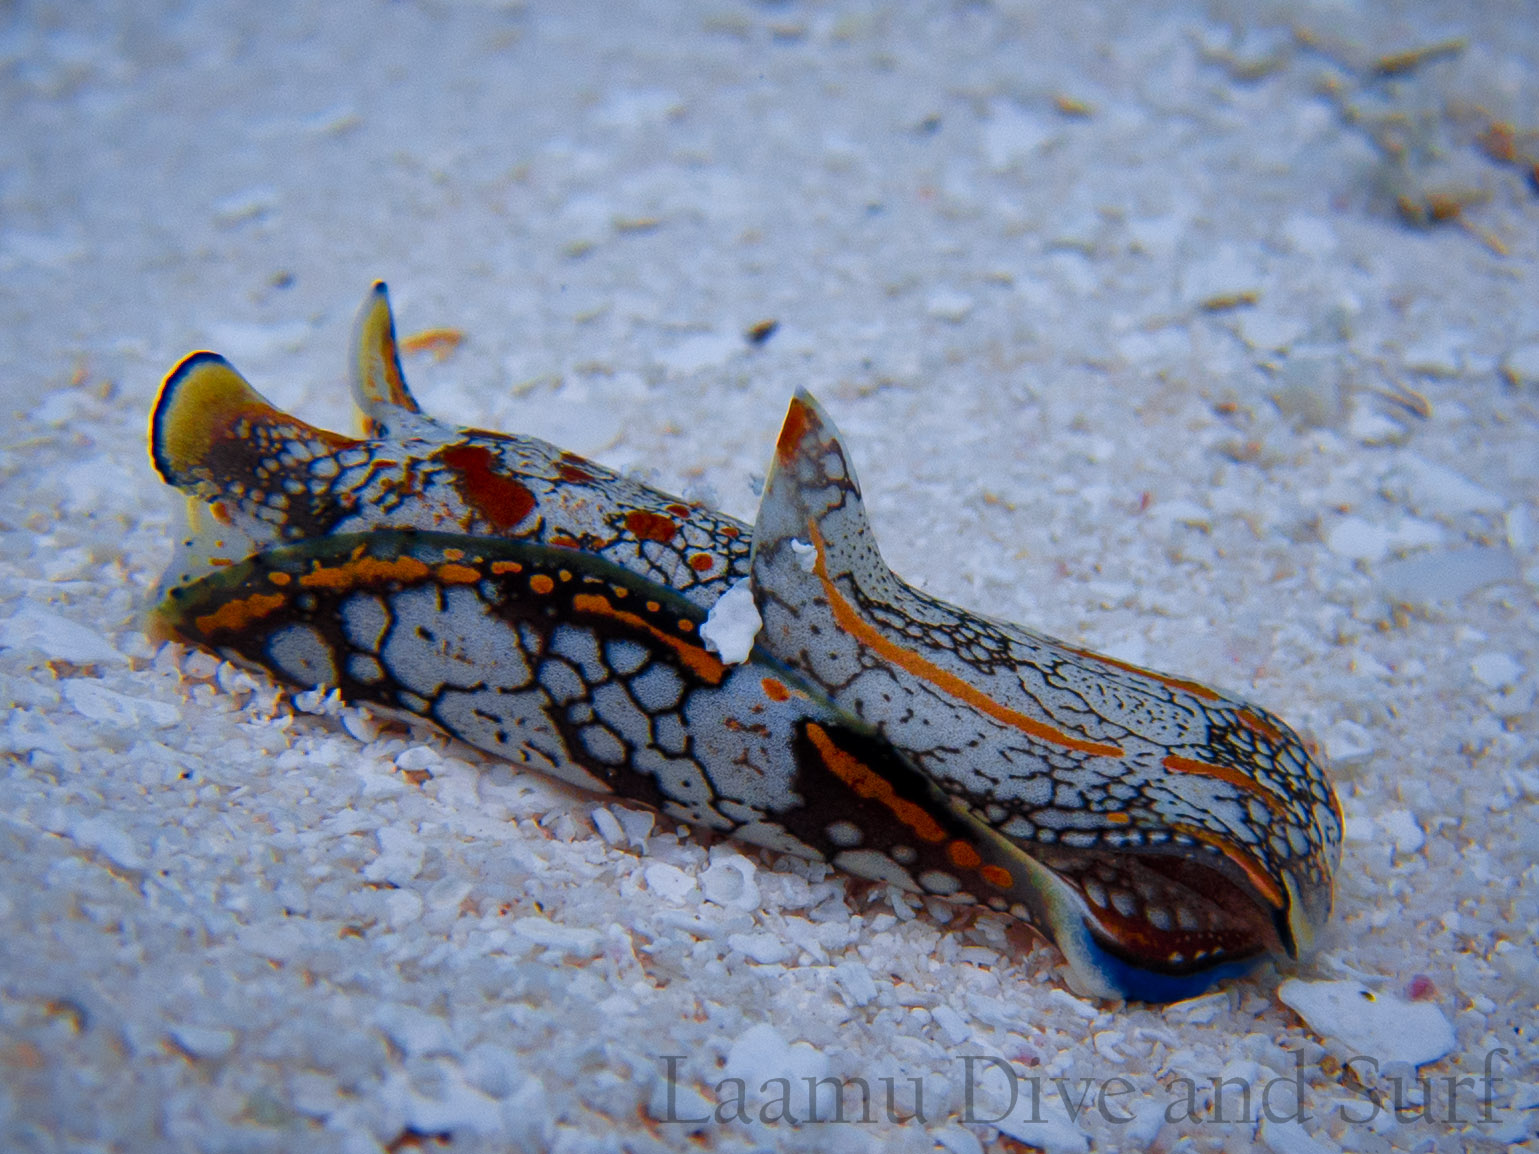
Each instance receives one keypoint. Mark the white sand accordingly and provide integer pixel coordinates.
(229, 925)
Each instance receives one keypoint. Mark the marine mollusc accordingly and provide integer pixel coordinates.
(550, 611)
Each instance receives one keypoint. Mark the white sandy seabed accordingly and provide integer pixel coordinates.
(1207, 335)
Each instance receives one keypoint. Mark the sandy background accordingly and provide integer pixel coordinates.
(1205, 334)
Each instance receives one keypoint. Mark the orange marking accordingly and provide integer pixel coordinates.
(363, 569)
(705, 665)
(1175, 763)
(440, 342)
(278, 577)
(507, 567)
(1196, 689)
(730, 531)
(486, 489)
(236, 615)
(572, 474)
(650, 526)
(1261, 727)
(541, 583)
(220, 562)
(963, 855)
(564, 574)
(454, 554)
(1249, 866)
(685, 625)
(702, 562)
(457, 574)
(997, 876)
(850, 621)
(204, 405)
(774, 690)
(653, 606)
(867, 783)
(798, 421)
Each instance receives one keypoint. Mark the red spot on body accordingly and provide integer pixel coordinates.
(702, 562)
(573, 474)
(678, 510)
(499, 498)
(774, 690)
(729, 531)
(650, 526)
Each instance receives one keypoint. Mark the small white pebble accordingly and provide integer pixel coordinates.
(637, 825)
(94, 700)
(729, 881)
(1069, 1002)
(1347, 742)
(949, 305)
(57, 637)
(806, 555)
(952, 1024)
(402, 908)
(855, 979)
(1496, 670)
(361, 724)
(732, 624)
(108, 840)
(608, 826)
(417, 757)
(766, 949)
(1375, 1025)
(1288, 1137)
(1357, 540)
(669, 882)
(204, 1041)
(1402, 828)
(958, 1141)
(1521, 365)
(577, 941)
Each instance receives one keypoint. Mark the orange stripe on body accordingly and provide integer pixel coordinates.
(1175, 763)
(363, 569)
(1258, 724)
(851, 622)
(236, 615)
(457, 574)
(867, 783)
(704, 664)
(1195, 688)
(1249, 866)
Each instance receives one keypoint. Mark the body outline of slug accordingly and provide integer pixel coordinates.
(1146, 902)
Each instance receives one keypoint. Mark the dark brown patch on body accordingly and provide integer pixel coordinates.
(503, 501)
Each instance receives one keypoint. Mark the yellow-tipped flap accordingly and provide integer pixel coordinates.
(379, 385)
(228, 448)
(202, 403)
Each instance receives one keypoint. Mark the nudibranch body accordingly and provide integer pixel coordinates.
(1184, 829)
(256, 476)
(549, 611)
(572, 665)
